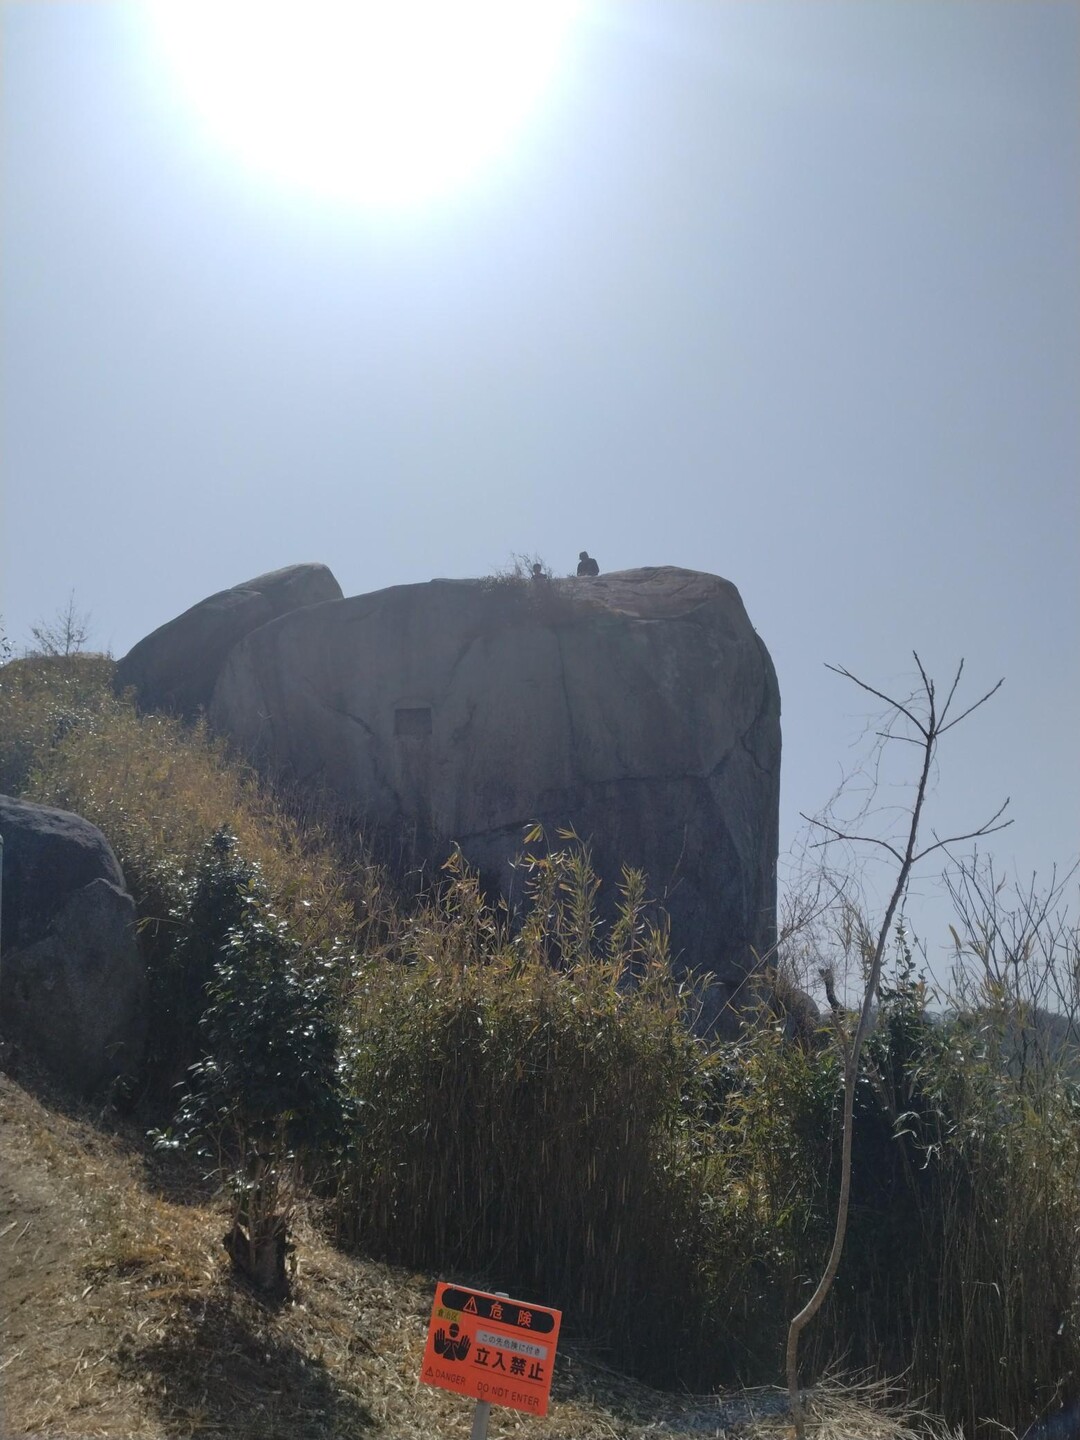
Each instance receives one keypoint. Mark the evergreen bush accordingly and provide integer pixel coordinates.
(263, 1106)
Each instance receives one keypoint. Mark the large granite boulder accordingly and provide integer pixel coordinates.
(639, 707)
(72, 984)
(175, 667)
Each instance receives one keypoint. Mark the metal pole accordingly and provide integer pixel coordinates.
(483, 1407)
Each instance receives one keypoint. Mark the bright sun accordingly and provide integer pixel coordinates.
(381, 102)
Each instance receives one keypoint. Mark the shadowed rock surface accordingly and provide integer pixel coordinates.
(72, 984)
(175, 667)
(638, 707)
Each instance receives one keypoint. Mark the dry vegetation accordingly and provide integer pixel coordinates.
(674, 1199)
(159, 789)
(119, 1318)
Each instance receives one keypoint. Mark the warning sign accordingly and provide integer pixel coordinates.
(491, 1348)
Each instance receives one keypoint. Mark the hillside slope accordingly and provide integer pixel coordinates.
(119, 1318)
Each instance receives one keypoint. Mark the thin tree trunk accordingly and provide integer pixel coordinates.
(930, 730)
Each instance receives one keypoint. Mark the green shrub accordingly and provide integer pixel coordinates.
(210, 903)
(263, 1106)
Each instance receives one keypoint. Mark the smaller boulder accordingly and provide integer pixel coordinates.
(176, 667)
(72, 983)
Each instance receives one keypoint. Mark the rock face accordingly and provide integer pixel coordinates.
(639, 707)
(72, 984)
(176, 666)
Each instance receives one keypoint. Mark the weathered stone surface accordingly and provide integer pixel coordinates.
(175, 667)
(48, 855)
(639, 707)
(72, 984)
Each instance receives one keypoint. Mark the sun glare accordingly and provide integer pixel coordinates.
(385, 103)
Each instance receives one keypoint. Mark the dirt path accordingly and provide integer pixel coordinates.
(57, 1181)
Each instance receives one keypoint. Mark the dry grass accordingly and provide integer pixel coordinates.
(159, 788)
(119, 1318)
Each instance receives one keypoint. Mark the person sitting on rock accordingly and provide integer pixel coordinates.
(586, 565)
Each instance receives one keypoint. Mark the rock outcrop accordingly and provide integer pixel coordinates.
(640, 708)
(72, 984)
(176, 666)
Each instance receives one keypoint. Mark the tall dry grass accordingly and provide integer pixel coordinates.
(536, 1109)
(158, 789)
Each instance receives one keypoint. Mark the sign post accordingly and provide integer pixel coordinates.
(479, 1421)
(497, 1350)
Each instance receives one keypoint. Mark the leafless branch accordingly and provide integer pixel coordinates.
(965, 713)
(952, 692)
(990, 828)
(880, 694)
(845, 835)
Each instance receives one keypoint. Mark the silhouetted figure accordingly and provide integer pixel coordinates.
(538, 572)
(586, 565)
(453, 1346)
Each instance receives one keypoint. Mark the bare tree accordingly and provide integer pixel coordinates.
(1019, 944)
(918, 721)
(66, 633)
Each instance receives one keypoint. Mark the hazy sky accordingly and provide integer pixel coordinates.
(785, 291)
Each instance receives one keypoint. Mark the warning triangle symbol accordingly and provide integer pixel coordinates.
(429, 1371)
(470, 1306)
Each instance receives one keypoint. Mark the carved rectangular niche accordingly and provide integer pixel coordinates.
(412, 721)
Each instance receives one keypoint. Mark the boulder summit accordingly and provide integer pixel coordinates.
(639, 708)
